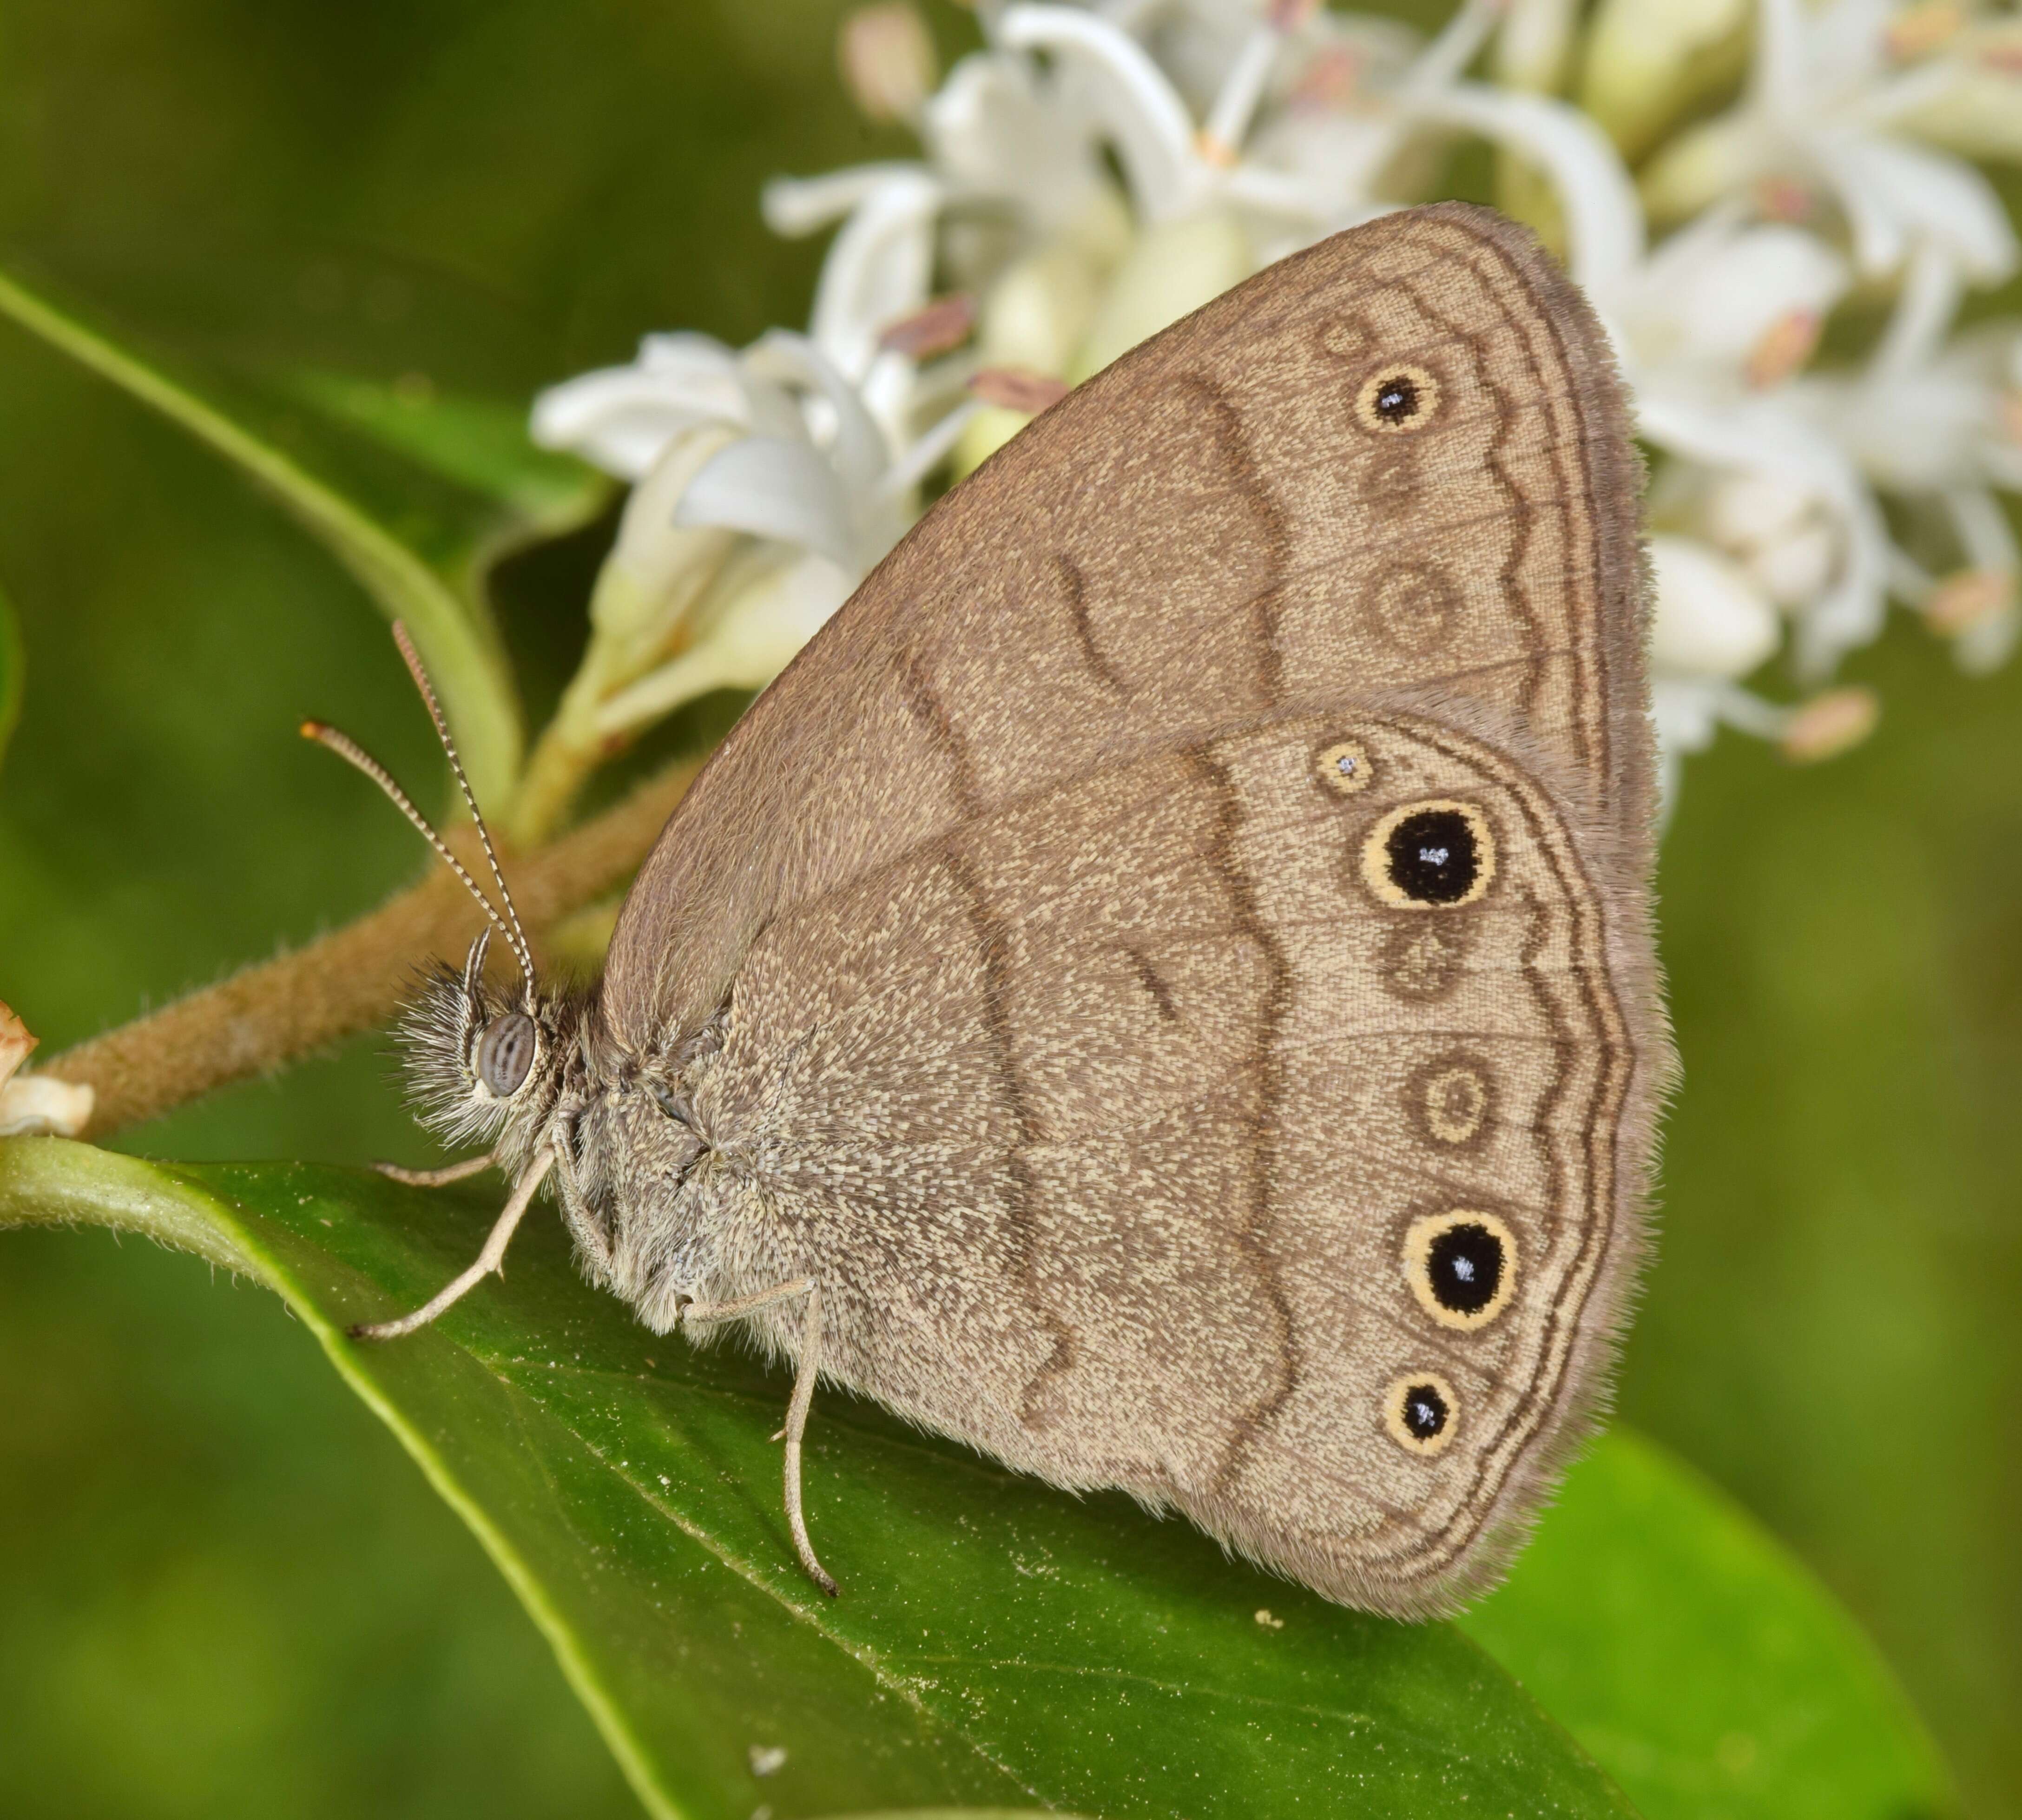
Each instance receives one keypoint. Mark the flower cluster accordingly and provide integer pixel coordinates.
(1095, 171)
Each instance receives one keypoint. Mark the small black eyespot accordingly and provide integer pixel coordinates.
(505, 1053)
(1464, 1267)
(1397, 398)
(1424, 1412)
(1432, 857)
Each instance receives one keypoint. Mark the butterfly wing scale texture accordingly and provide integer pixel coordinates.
(1074, 1037)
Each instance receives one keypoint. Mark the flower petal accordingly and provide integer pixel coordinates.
(879, 268)
(1711, 292)
(1767, 435)
(855, 445)
(795, 206)
(1154, 134)
(621, 417)
(771, 487)
(761, 618)
(1175, 267)
(1894, 192)
(1604, 222)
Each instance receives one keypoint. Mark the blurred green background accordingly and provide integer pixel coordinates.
(222, 1588)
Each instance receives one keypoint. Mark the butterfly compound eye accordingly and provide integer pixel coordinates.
(505, 1053)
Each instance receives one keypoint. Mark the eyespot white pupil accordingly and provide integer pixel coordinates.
(1434, 856)
(1345, 766)
(1464, 1269)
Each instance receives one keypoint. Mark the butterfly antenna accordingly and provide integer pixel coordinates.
(515, 937)
(353, 754)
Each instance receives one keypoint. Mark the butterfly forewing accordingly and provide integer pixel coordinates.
(1183, 924)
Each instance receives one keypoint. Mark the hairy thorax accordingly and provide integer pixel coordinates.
(658, 1192)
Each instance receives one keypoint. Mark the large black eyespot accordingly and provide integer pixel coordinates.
(1463, 1266)
(1465, 1263)
(505, 1053)
(1419, 1412)
(1430, 856)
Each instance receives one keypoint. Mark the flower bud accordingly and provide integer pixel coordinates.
(1980, 114)
(1794, 571)
(1711, 620)
(1648, 60)
(1779, 533)
(1174, 267)
(1700, 165)
(1745, 510)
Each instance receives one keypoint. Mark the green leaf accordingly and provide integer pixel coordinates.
(417, 544)
(480, 443)
(995, 1641)
(12, 668)
(1703, 1667)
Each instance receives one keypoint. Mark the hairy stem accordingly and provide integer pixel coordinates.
(353, 979)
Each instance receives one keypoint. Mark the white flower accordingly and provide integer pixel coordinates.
(1979, 113)
(1779, 534)
(1096, 171)
(1826, 107)
(1700, 311)
(765, 489)
(1310, 123)
(1932, 422)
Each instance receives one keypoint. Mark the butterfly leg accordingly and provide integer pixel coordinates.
(492, 1258)
(438, 1177)
(797, 1410)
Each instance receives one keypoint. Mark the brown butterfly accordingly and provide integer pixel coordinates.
(1161, 988)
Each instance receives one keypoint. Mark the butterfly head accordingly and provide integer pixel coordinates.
(483, 1066)
(487, 1067)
